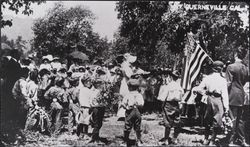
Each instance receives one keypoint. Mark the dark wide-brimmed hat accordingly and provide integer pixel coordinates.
(97, 81)
(62, 69)
(43, 72)
(218, 65)
(175, 73)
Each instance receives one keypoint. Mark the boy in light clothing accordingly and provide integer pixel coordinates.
(85, 97)
(171, 95)
(132, 103)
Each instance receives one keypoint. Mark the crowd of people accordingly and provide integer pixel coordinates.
(55, 97)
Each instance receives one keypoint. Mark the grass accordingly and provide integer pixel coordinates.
(112, 130)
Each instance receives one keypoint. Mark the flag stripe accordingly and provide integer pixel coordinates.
(187, 95)
(187, 77)
(193, 58)
(193, 67)
(195, 74)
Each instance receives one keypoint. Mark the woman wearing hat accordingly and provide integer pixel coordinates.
(56, 64)
(132, 103)
(46, 63)
(127, 73)
(214, 86)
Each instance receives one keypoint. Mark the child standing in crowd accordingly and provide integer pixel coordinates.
(171, 95)
(56, 95)
(44, 84)
(97, 109)
(85, 95)
(46, 63)
(131, 102)
(20, 94)
(73, 98)
(32, 85)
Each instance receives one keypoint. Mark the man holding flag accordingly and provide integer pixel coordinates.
(195, 56)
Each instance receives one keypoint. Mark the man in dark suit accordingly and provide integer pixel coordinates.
(237, 76)
(10, 73)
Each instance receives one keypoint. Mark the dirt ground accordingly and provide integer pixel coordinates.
(112, 133)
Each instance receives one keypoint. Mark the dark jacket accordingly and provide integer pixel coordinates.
(237, 76)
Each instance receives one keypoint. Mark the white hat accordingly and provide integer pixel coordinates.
(130, 58)
(48, 57)
(56, 58)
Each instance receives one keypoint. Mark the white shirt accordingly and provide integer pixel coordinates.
(85, 96)
(133, 98)
(216, 83)
(127, 69)
(32, 90)
(171, 92)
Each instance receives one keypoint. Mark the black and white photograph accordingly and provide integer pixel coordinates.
(124, 73)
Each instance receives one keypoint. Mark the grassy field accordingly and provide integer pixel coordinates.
(112, 132)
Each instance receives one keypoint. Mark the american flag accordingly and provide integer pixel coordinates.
(193, 64)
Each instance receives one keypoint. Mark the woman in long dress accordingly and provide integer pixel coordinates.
(127, 70)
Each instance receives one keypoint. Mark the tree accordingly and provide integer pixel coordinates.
(142, 26)
(63, 30)
(16, 6)
(5, 39)
(157, 34)
(20, 45)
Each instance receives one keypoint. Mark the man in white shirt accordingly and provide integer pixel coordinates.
(215, 87)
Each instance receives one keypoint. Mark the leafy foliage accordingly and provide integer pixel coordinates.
(16, 6)
(142, 26)
(63, 30)
(5, 39)
(18, 44)
(157, 34)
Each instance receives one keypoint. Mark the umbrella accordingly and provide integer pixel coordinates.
(79, 55)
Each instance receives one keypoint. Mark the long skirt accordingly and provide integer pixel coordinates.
(123, 91)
